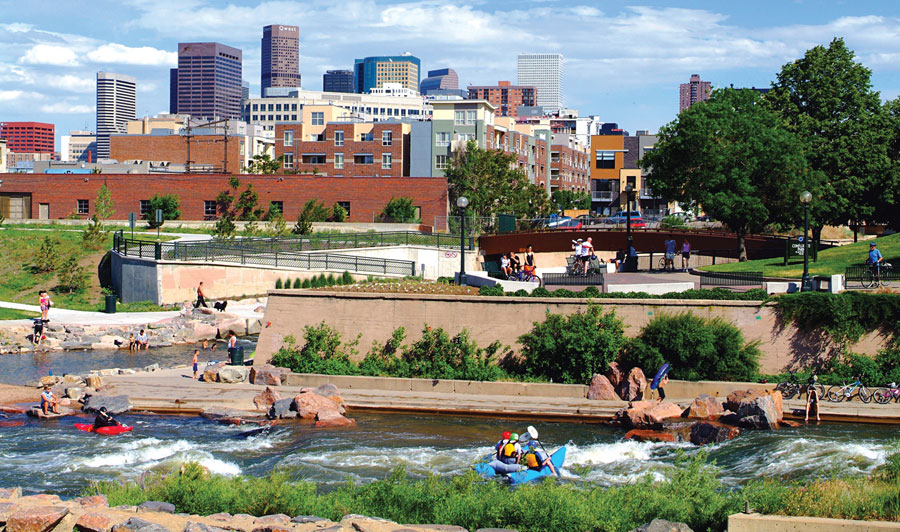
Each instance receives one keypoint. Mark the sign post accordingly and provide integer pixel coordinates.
(793, 248)
(159, 221)
(131, 220)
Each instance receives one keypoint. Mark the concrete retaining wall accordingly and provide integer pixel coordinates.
(436, 262)
(487, 319)
(779, 523)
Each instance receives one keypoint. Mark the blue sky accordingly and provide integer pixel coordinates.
(624, 60)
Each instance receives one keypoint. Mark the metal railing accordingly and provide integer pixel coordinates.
(565, 279)
(743, 279)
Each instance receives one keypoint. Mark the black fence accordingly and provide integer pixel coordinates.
(565, 279)
(729, 279)
(860, 274)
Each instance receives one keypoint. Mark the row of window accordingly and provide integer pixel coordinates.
(210, 207)
(387, 137)
(465, 118)
(387, 160)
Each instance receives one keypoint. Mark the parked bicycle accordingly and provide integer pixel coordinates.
(876, 276)
(884, 396)
(846, 392)
(793, 387)
(525, 277)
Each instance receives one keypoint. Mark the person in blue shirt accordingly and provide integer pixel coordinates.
(875, 260)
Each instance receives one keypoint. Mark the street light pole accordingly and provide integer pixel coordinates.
(628, 189)
(462, 202)
(805, 282)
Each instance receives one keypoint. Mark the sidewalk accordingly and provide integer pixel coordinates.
(85, 317)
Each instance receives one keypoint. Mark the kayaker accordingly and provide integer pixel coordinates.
(104, 419)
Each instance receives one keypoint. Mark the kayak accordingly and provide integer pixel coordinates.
(525, 475)
(106, 431)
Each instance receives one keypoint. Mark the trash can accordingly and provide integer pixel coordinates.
(237, 355)
(110, 304)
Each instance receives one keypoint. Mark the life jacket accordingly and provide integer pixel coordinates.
(508, 450)
(499, 448)
(531, 460)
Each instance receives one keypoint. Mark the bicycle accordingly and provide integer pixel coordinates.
(872, 277)
(524, 277)
(661, 264)
(792, 387)
(883, 396)
(836, 394)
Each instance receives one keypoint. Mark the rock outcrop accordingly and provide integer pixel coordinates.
(704, 407)
(265, 399)
(601, 389)
(115, 404)
(632, 386)
(615, 374)
(267, 374)
(647, 414)
(756, 409)
(326, 411)
(706, 432)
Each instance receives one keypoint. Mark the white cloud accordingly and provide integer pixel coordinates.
(72, 83)
(67, 108)
(144, 55)
(49, 54)
(15, 95)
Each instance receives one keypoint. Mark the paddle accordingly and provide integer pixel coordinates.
(533, 434)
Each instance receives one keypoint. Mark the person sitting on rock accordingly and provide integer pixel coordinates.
(105, 419)
(49, 402)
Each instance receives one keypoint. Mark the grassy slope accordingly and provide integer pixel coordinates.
(831, 261)
(12, 314)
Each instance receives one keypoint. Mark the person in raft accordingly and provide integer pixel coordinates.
(536, 459)
(49, 402)
(507, 453)
(105, 419)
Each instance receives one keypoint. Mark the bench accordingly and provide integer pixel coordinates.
(492, 268)
(732, 279)
(564, 279)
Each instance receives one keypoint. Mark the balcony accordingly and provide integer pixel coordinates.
(604, 195)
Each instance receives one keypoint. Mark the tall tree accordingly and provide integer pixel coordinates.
(827, 100)
(886, 209)
(263, 163)
(492, 183)
(732, 156)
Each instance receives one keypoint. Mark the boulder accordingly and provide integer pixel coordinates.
(10, 493)
(306, 519)
(152, 367)
(266, 398)
(211, 373)
(200, 527)
(232, 416)
(35, 518)
(651, 435)
(648, 414)
(93, 501)
(601, 389)
(330, 418)
(308, 405)
(157, 506)
(127, 371)
(69, 378)
(51, 380)
(704, 407)
(758, 411)
(736, 398)
(108, 372)
(615, 374)
(266, 374)
(74, 393)
(273, 519)
(93, 381)
(282, 409)
(661, 525)
(233, 374)
(93, 522)
(706, 432)
(6, 510)
(115, 404)
(136, 524)
(632, 386)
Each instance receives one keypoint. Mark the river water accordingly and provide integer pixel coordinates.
(53, 456)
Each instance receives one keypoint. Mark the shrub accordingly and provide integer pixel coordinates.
(94, 234)
(168, 203)
(697, 348)
(323, 353)
(845, 316)
(400, 210)
(672, 221)
(225, 228)
(850, 365)
(298, 283)
(306, 284)
(71, 276)
(346, 278)
(570, 349)
(278, 284)
(330, 281)
(47, 258)
(590, 291)
(338, 213)
(287, 282)
(495, 290)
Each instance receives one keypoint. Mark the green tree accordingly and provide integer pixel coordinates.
(94, 233)
(568, 199)
(276, 226)
(732, 156)
(316, 211)
(264, 164)
(225, 228)
(400, 210)
(72, 277)
(168, 203)
(338, 214)
(47, 257)
(243, 205)
(826, 98)
(492, 183)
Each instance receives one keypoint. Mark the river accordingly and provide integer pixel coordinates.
(53, 456)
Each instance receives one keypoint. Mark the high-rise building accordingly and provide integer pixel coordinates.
(441, 79)
(209, 80)
(245, 90)
(374, 72)
(545, 73)
(78, 146)
(692, 92)
(116, 105)
(173, 90)
(28, 137)
(280, 57)
(338, 81)
(505, 98)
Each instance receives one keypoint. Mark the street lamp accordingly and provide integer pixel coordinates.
(462, 202)
(629, 190)
(806, 282)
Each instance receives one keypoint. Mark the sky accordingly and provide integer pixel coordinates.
(623, 60)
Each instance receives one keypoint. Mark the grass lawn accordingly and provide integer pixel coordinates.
(12, 314)
(831, 261)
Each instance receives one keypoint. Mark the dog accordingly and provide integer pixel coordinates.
(220, 305)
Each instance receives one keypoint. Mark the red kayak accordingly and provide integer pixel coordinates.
(107, 431)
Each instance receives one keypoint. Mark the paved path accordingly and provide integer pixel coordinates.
(84, 317)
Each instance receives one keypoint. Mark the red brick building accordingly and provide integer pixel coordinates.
(505, 98)
(570, 167)
(207, 151)
(28, 137)
(366, 149)
(57, 196)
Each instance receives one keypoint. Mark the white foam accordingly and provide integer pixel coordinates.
(608, 453)
(146, 453)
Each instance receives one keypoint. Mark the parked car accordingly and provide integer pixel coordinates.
(554, 220)
(571, 223)
(587, 219)
(621, 219)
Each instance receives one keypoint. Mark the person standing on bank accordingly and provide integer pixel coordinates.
(201, 297)
(812, 398)
(195, 362)
(685, 255)
(44, 301)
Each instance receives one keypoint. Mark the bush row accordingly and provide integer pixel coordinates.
(717, 294)
(315, 281)
(845, 316)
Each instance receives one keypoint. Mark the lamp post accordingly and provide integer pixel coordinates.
(629, 190)
(462, 202)
(806, 282)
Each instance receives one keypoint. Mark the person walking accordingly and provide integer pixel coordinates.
(670, 254)
(685, 255)
(201, 297)
(587, 251)
(195, 361)
(45, 303)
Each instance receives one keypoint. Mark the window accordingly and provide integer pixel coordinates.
(386, 161)
(459, 118)
(387, 138)
(465, 137)
(145, 207)
(276, 205)
(288, 160)
(442, 139)
(314, 158)
(440, 162)
(606, 159)
(470, 117)
(288, 137)
(346, 206)
(242, 146)
(363, 158)
(318, 118)
(365, 137)
(209, 208)
(338, 161)
(82, 206)
(339, 138)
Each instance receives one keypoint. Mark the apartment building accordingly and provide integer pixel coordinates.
(373, 72)
(570, 167)
(615, 165)
(78, 146)
(28, 137)
(505, 97)
(695, 90)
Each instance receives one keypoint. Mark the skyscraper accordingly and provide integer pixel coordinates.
(338, 81)
(374, 72)
(441, 79)
(543, 72)
(173, 90)
(692, 92)
(116, 105)
(280, 57)
(209, 80)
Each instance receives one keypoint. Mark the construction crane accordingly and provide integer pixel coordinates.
(186, 132)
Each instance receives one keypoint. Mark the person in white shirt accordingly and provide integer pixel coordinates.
(587, 250)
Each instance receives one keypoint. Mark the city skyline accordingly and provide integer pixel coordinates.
(50, 56)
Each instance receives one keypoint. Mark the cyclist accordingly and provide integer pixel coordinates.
(875, 260)
(670, 254)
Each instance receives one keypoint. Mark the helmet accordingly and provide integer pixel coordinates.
(103, 410)
(505, 435)
(514, 436)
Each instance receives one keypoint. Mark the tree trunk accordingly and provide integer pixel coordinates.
(742, 245)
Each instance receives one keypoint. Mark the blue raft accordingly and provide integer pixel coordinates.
(525, 475)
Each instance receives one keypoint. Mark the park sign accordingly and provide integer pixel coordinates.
(793, 248)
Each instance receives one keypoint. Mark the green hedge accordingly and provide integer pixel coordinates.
(716, 294)
(845, 316)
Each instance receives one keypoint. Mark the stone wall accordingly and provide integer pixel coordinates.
(375, 316)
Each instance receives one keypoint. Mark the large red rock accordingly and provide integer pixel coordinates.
(6, 510)
(36, 518)
(94, 501)
(10, 493)
(266, 374)
(615, 374)
(647, 414)
(735, 398)
(94, 522)
(705, 407)
(601, 389)
(650, 435)
(632, 386)
(756, 409)
(705, 432)
(330, 418)
(308, 405)
(265, 399)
